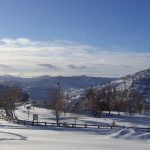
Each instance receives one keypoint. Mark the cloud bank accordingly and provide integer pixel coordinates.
(33, 58)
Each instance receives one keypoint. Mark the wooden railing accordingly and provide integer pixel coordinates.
(71, 125)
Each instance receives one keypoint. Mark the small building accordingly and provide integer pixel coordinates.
(42, 96)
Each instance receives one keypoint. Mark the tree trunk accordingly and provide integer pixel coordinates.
(57, 119)
(118, 110)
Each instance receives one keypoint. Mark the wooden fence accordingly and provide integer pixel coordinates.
(71, 125)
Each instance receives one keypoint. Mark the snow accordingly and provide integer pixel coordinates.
(16, 137)
(131, 134)
(46, 115)
(65, 139)
(10, 136)
(139, 81)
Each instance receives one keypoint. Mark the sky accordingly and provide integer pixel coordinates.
(109, 38)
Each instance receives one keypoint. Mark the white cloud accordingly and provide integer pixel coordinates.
(15, 42)
(25, 55)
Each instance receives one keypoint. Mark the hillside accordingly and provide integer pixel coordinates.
(139, 81)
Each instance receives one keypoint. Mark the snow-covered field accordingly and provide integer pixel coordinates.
(19, 137)
(46, 115)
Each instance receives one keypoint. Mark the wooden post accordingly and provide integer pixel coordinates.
(32, 123)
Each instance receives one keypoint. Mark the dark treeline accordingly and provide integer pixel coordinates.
(110, 98)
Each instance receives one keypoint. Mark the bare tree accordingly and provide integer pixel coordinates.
(57, 103)
(131, 101)
(98, 104)
(76, 109)
(108, 97)
(147, 106)
(139, 102)
(66, 105)
(96, 100)
(90, 95)
(9, 96)
(100, 101)
(117, 99)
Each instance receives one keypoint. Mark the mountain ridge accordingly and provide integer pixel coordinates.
(48, 81)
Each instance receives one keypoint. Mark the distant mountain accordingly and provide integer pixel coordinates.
(139, 81)
(75, 82)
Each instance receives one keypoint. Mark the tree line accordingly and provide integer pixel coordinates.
(95, 100)
(110, 98)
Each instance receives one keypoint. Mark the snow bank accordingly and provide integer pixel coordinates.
(131, 134)
(123, 133)
(144, 136)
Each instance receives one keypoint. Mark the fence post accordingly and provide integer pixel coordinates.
(32, 123)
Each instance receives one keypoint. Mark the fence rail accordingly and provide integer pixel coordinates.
(71, 125)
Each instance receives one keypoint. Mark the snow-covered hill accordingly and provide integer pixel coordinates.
(139, 81)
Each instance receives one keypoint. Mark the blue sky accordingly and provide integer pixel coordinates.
(74, 37)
